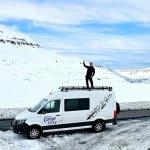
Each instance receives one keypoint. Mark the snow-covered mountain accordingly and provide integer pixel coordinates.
(136, 75)
(28, 73)
(8, 37)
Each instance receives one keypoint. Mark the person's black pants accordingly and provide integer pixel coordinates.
(87, 81)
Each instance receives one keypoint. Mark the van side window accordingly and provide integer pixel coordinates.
(52, 106)
(77, 104)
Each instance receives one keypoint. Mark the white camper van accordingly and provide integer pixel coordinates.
(69, 108)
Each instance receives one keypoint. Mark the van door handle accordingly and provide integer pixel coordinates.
(57, 115)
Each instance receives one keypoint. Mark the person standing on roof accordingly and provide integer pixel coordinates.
(89, 75)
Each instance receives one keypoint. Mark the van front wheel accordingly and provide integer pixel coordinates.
(98, 126)
(34, 132)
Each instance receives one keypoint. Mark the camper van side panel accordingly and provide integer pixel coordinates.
(102, 105)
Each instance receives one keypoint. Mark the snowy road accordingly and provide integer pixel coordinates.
(5, 124)
(127, 135)
(130, 114)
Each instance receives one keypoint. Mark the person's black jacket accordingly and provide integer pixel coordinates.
(90, 70)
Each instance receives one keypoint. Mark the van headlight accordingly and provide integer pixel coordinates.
(20, 121)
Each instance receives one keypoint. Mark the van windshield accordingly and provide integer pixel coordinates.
(39, 105)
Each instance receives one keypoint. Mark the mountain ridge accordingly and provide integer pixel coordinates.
(16, 39)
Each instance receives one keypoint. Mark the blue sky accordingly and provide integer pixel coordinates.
(108, 32)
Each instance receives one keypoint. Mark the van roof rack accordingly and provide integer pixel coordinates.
(66, 88)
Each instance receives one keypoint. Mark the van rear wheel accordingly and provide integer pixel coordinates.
(98, 126)
(34, 132)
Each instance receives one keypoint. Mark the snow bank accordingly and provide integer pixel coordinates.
(134, 106)
(11, 113)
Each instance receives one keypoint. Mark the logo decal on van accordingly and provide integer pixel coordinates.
(50, 120)
(100, 106)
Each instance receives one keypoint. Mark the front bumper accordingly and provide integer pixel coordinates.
(20, 128)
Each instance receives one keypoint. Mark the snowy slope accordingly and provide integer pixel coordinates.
(29, 73)
(136, 75)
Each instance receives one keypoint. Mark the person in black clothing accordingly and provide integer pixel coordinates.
(89, 75)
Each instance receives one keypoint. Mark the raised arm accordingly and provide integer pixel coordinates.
(85, 65)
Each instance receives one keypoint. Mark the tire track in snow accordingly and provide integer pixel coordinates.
(112, 137)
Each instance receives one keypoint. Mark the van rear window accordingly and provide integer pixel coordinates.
(77, 104)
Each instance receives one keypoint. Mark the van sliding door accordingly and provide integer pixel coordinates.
(75, 112)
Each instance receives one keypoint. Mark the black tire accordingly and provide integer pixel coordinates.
(98, 126)
(117, 108)
(34, 132)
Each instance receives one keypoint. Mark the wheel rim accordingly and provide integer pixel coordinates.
(34, 133)
(98, 127)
